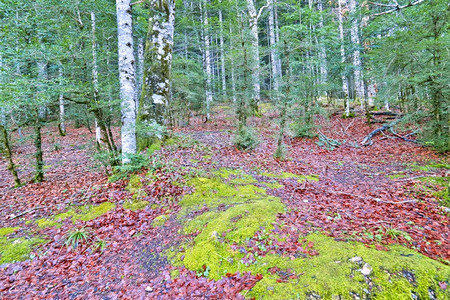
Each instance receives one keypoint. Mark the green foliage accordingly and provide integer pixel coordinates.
(246, 139)
(301, 130)
(17, 249)
(76, 238)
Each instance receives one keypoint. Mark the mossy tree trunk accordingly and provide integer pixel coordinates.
(8, 155)
(155, 96)
(279, 153)
(39, 161)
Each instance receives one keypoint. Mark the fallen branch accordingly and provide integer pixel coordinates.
(383, 113)
(394, 202)
(367, 141)
(26, 212)
(401, 137)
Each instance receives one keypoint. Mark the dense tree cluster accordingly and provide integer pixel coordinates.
(152, 64)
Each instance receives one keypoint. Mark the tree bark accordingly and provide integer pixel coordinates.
(344, 76)
(157, 68)
(273, 51)
(207, 62)
(222, 54)
(354, 35)
(62, 117)
(127, 79)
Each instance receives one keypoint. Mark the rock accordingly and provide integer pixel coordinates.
(366, 270)
(149, 289)
(355, 259)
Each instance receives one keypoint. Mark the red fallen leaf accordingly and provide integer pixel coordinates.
(313, 253)
(258, 277)
(310, 244)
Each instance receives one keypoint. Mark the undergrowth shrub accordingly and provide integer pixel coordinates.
(303, 131)
(246, 139)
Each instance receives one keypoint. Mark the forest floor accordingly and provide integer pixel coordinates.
(205, 220)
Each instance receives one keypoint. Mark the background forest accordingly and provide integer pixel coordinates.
(59, 64)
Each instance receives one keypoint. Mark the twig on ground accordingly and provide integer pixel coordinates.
(26, 212)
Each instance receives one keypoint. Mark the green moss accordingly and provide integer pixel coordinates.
(13, 250)
(284, 175)
(443, 196)
(207, 156)
(159, 221)
(170, 142)
(395, 176)
(135, 205)
(95, 211)
(273, 185)
(430, 167)
(155, 146)
(213, 192)
(331, 273)
(8, 230)
(441, 181)
(86, 213)
(134, 184)
(237, 212)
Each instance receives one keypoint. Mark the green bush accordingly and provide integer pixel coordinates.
(303, 131)
(246, 139)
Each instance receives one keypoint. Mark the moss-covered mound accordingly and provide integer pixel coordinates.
(222, 215)
(15, 249)
(84, 213)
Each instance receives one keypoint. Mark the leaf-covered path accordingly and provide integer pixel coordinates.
(326, 208)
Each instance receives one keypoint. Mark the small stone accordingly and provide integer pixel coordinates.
(366, 270)
(148, 289)
(355, 259)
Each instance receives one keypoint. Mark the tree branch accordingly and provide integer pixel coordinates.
(396, 8)
(262, 8)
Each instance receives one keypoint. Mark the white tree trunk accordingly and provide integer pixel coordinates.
(341, 36)
(233, 78)
(98, 132)
(273, 52)
(62, 117)
(208, 69)
(222, 54)
(354, 34)
(322, 51)
(254, 54)
(127, 78)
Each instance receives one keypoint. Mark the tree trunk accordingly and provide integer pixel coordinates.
(322, 51)
(62, 117)
(344, 76)
(126, 78)
(233, 78)
(8, 151)
(354, 35)
(222, 54)
(207, 62)
(273, 51)
(157, 68)
(39, 167)
(255, 63)
(98, 133)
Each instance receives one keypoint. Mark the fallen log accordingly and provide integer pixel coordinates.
(383, 113)
(367, 141)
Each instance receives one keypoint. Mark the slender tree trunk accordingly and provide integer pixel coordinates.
(222, 54)
(8, 155)
(39, 167)
(127, 79)
(283, 113)
(255, 62)
(62, 117)
(233, 79)
(354, 35)
(322, 51)
(207, 62)
(98, 132)
(155, 95)
(273, 52)
(140, 71)
(344, 76)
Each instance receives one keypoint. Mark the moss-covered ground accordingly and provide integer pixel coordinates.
(227, 208)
